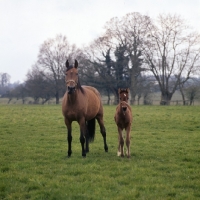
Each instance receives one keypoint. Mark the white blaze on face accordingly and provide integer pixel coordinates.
(125, 95)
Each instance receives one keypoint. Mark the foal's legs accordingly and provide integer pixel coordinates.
(121, 143)
(69, 136)
(103, 130)
(128, 138)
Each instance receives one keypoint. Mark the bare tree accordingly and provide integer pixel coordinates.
(38, 86)
(100, 71)
(4, 79)
(191, 91)
(18, 92)
(51, 59)
(117, 54)
(172, 53)
(4, 84)
(129, 32)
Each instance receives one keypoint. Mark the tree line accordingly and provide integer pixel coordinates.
(135, 51)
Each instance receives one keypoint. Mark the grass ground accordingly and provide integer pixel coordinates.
(165, 161)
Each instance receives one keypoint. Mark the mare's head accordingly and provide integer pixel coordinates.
(123, 94)
(71, 77)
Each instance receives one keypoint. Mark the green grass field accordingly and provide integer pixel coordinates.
(164, 163)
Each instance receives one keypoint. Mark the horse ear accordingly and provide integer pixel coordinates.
(76, 64)
(119, 90)
(127, 90)
(67, 64)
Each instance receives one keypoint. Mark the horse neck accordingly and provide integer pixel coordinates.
(127, 109)
(72, 98)
(126, 100)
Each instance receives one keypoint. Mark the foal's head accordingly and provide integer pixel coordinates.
(123, 106)
(71, 77)
(123, 94)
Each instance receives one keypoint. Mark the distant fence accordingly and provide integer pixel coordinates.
(157, 102)
(104, 101)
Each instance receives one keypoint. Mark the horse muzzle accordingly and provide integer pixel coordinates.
(71, 90)
(124, 109)
(71, 86)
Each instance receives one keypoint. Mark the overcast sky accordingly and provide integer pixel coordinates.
(26, 24)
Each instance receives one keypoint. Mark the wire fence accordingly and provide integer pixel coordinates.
(104, 101)
(156, 102)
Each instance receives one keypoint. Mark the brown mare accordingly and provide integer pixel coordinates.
(123, 119)
(82, 104)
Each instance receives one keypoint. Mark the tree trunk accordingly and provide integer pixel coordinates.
(138, 99)
(165, 98)
(191, 101)
(183, 96)
(108, 94)
(9, 100)
(116, 97)
(182, 93)
(57, 97)
(23, 101)
(133, 88)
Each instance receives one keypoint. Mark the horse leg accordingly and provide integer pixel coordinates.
(121, 142)
(119, 147)
(69, 136)
(103, 131)
(82, 136)
(87, 139)
(128, 141)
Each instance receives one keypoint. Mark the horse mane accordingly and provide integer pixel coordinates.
(78, 84)
(80, 87)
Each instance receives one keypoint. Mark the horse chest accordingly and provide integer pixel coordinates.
(73, 113)
(123, 120)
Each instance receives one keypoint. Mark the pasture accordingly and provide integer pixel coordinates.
(164, 163)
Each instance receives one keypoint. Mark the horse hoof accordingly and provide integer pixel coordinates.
(69, 153)
(87, 151)
(106, 149)
(84, 155)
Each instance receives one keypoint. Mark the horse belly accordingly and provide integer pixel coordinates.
(93, 104)
(92, 111)
(123, 121)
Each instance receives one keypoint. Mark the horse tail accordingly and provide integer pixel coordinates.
(91, 129)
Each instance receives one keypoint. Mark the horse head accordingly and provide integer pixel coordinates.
(71, 77)
(123, 94)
